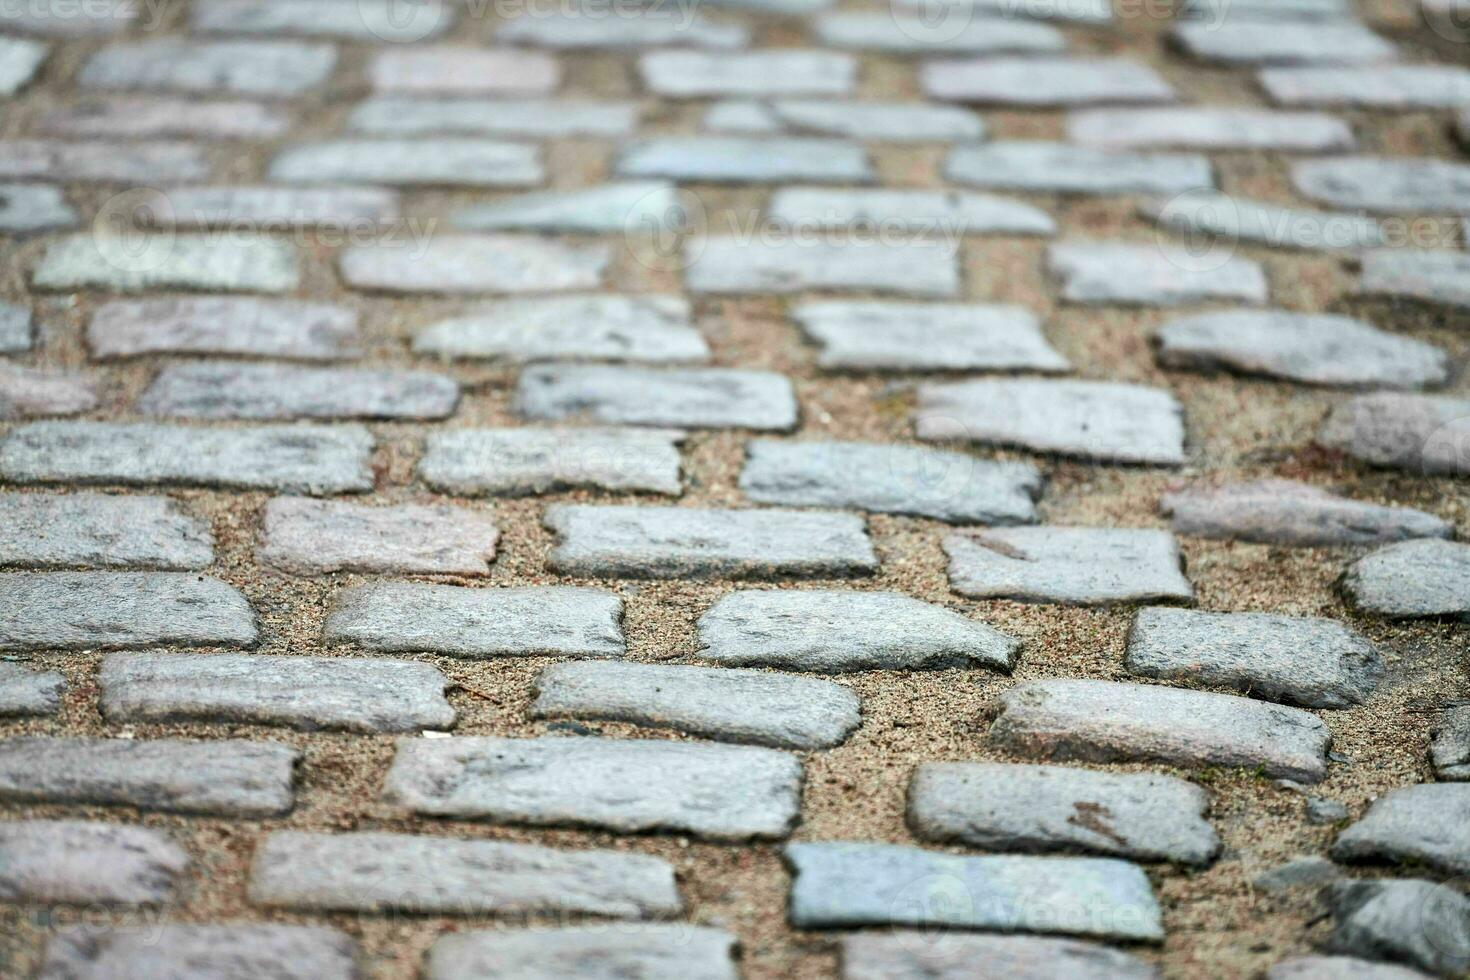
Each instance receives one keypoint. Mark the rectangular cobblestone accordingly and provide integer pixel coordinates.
(743, 160)
(731, 266)
(680, 542)
(410, 617)
(908, 32)
(547, 118)
(517, 462)
(287, 458)
(101, 161)
(350, 209)
(82, 863)
(1417, 185)
(1124, 274)
(718, 792)
(1370, 87)
(570, 28)
(353, 20)
(1057, 167)
(1243, 42)
(1210, 128)
(268, 68)
(896, 121)
(228, 778)
(144, 116)
(699, 398)
(1434, 276)
(226, 390)
(654, 329)
(15, 328)
(29, 693)
(464, 70)
(191, 262)
(31, 393)
(310, 693)
(456, 264)
(94, 530)
(1071, 565)
(622, 208)
(1418, 433)
(316, 537)
(231, 326)
(373, 872)
(1036, 82)
(939, 213)
(1080, 12)
(703, 74)
(654, 952)
(34, 207)
(1208, 216)
(229, 952)
(19, 62)
(872, 336)
(438, 162)
(905, 955)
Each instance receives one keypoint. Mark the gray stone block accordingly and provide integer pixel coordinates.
(1210, 128)
(653, 952)
(1039, 82)
(1069, 565)
(220, 952)
(516, 462)
(94, 530)
(1396, 87)
(1450, 748)
(1110, 273)
(913, 266)
(274, 391)
(162, 115)
(1434, 276)
(343, 210)
(740, 160)
(1244, 42)
(1416, 185)
(354, 20)
(268, 68)
(1415, 922)
(316, 537)
(948, 215)
(81, 862)
(625, 207)
(1339, 968)
(15, 328)
(905, 955)
(433, 162)
(1423, 433)
(574, 29)
(1017, 165)
(19, 62)
(239, 263)
(1217, 222)
(654, 329)
(697, 398)
(870, 336)
(899, 32)
(28, 393)
(106, 162)
(1412, 579)
(455, 264)
(33, 207)
(1285, 512)
(901, 122)
(464, 70)
(232, 326)
(29, 693)
(787, 71)
(1300, 873)
(1427, 825)
(405, 116)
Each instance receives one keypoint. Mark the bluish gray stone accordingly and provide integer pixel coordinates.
(911, 267)
(744, 160)
(1070, 565)
(94, 530)
(254, 264)
(654, 952)
(33, 207)
(405, 116)
(1435, 276)
(1224, 222)
(1018, 165)
(787, 71)
(1449, 749)
(623, 207)
(517, 462)
(228, 325)
(163, 115)
(1243, 42)
(896, 121)
(318, 537)
(19, 62)
(101, 161)
(1103, 273)
(901, 32)
(32, 393)
(1399, 87)
(1411, 579)
(1420, 923)
(890, 336)
(1420, 433)
(464, 70)
(573, 29)
(351, 210)
(1209, 128)
(83, 862)
(1427, 825)
(269, 68)
(353, 20)
(29, 693)
(1285, 512)
(699, 398)
(1040, 82)
(946, 214)
(1416, 185)
(653, 329)
(1339, 968)
(903, 955)
(463, 264)
(436, 162)
(224, 390)
(15, 328)
(223, 952)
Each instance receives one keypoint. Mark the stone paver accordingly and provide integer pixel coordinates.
(1302, 660)
(911, 267)
(654, 952)
(1024, 808)
(372, 872)
(1423, 826)
(406, 617)
(1041, 82)
(407, 116)
(1339, 968)
(162, 115)
(1080, 12)
(316, 537)
(895, 121)
(726, 705)
(517, 462)
(1222, 221)
(841, 884)
(1311, 348)
(574, 29)
(1103, 273)
(1420, 433)
(455, 264)
(26, 208)
(840, 630)
(681, 542)
(1449, 748)
(287, 458)
(699, 398)
(264, 68)
(19, 62)
(192, 262)
(889, 479)
(1104, 421)
(1416, 185)
(31, 393)
(354, 20)
(274, 391)
(104, 162)
(94, 530)
(1106, 721)
(1440, 278)
(1213, 128)
(745, 160)
(82, 863)
(1414, 922)
(464, 71)
(1019, 165)
(1371, 87)
(29, 693)
(1218, 11)
(231, 326)
(230, 777)
(653, 329)
(309, 693)
(949, 213)
(1241, 42)
(15, 328)
(891, 336)
(275, 208)
(912, 956)
(226, 952)
(1285, 512)
(899, 32)
(118, 610)
(625, 206)
(1070, 565)
(720, 792)
(702, 74)
(1412, 579)
(439, 162)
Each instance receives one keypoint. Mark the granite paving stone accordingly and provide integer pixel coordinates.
(95, 530)
(702, 74)
(1069, 565)
(239, 263)
(700, 398)
(408, 617)
(903, 955)
(1302, 660)
(231, 326)
(573, 29)
(622, 207)
(263, 68)
(1210, 128)
(120, 610)
(653, 329)
(744, 160)
(891, 479)
(1386, 184)
(654, 952)
(1449, 748)
(1415, 922)
(893, 336)
(84, 862)
(19, 61)
(949, 214)
(842, 885)
(352, 20)
(1266, 10)
(229, 777)
(316, 537)
(33, 207)
(227, 952)
(1044, 82)
(748, 706)
(1097, 273)
(1215, 222)
(31, 392)
(519, 462)
(1242, 42)
(912, 266)
(1426, 86)
(464, 70)
(407, 116)
(15, 328)
(225, 390)
(895, 121)
(1036, 809)
(1024, 165)
(1293, 514)
(314, 459)
(1436, 277)
(98, 161)
(1339, 968)
(679, 542)
(162, 116)
(29, 693)
(1424, 826)
(1299, 873)
(309, 693)
(839, 630)
(467, 264)
(1108, 721)
(899, 31)
(1098, 420)
(717, 792)
(437, 162)
(1312, 348)
(1422, 433)
(371, 872)
(343, 209)
(1090, 13)
(1410, 579)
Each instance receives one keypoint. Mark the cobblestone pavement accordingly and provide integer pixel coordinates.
(765, 488)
